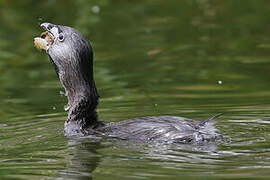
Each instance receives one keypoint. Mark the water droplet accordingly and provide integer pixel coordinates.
(66, 107)
(96, 9)
(62, 93)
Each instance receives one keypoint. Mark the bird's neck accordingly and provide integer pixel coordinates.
(82, 102)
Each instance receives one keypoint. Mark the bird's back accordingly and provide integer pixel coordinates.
(162, 128)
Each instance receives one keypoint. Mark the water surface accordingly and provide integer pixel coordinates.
(191, 58)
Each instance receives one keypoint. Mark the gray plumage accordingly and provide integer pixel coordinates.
(72, 56)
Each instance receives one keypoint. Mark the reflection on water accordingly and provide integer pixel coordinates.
(87, 155)
(151, 58)
(83, 159)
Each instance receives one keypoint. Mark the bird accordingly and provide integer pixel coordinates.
(72, 57)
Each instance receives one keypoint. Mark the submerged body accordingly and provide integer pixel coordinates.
(72, 56)
(162, 129)
(152, 128)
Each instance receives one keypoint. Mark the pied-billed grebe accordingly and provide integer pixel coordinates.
(72, 56)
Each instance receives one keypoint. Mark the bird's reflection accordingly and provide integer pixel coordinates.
(85, 155)
(83, 158)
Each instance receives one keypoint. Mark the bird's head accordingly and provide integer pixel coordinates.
(72, 56)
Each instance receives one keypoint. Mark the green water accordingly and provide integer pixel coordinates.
(191, 58)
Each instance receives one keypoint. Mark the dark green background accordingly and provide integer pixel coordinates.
(152, 57)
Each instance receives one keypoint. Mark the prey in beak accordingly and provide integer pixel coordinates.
(46, 38)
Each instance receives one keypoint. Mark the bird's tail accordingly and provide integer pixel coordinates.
(207, 130)
(211, 119)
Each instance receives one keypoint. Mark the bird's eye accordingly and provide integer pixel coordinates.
(61, 37)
